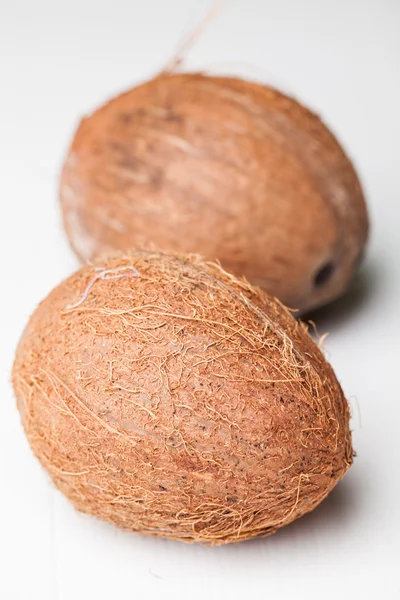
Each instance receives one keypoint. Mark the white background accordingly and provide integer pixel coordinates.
(59, 60)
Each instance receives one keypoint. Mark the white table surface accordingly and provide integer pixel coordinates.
(58, 60)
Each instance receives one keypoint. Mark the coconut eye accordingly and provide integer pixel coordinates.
(324, 274)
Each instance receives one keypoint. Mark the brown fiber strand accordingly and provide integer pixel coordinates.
(231, 169)
(193, 36)
(181, 402)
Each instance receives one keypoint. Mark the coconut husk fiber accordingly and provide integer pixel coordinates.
(231, 169)
(166, 396)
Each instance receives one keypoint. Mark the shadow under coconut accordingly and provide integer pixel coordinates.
(334, 513)
(363, 288)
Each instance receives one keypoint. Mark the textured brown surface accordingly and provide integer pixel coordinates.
(231, 169)
(171, 399)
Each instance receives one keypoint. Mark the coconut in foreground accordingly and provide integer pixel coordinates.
(169, 398)
(225, 167)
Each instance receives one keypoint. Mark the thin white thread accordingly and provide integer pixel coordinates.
(105, 274)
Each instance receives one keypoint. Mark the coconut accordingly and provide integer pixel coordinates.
(231, 169)
(166, 396)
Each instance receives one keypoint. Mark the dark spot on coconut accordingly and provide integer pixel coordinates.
(125, 118)
(324, 274)
(172, 117)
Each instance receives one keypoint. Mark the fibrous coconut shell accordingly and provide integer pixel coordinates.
(231, 169)
(166, 396)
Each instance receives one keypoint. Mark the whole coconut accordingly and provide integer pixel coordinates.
(172, 399)
(231, 169)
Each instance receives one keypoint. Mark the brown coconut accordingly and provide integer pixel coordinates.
(228, 168)
(169, 398)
